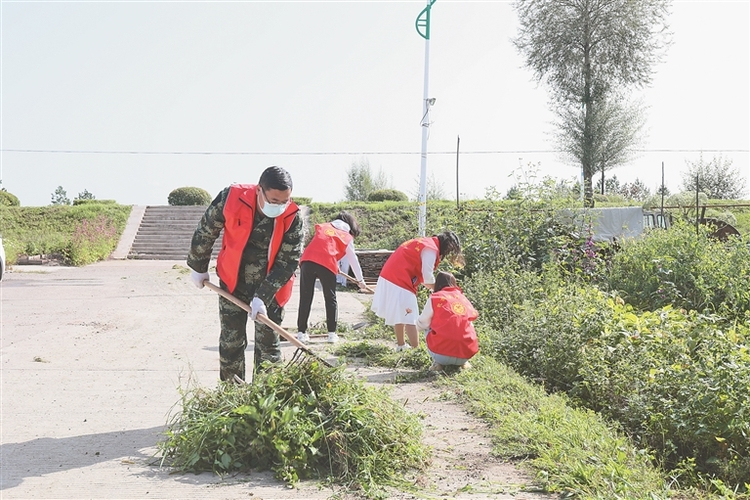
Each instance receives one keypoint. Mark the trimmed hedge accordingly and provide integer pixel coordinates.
(185, 196)
(9, 199)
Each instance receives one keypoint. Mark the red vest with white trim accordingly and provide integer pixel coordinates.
(404, 267)
(327, 247)
(451, 331)
(239, 214)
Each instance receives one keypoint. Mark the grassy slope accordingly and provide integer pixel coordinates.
(46, 230)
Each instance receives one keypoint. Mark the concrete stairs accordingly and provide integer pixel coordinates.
(165, 233)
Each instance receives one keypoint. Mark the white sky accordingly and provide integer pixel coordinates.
(326, 77)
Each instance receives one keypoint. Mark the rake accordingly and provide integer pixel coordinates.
(298, 356)
(369, 290)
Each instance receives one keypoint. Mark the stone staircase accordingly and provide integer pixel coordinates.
(165, 233)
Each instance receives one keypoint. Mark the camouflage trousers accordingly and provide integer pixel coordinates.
(233, 338)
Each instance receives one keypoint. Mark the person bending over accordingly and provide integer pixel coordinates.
(411, 264)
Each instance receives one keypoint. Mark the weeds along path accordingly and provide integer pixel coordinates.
(463, 465)
(92, 361)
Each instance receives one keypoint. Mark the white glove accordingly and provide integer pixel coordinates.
(199, 278)
(257, 307)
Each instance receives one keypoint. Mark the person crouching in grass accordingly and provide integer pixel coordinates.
(447, 318)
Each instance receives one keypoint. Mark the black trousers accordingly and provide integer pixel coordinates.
(308, 272)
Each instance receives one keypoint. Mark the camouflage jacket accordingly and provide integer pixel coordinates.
(254, 265)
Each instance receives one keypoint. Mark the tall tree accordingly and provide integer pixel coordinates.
(587, 51)
(434, 189)
(716, 178)
(361, 182)
(604, 138)
(85, 195)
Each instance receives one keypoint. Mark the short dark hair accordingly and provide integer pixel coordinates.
(275, 178)
(444, 280)
(354, 229)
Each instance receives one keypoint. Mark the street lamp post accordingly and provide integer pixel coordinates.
(423, 28)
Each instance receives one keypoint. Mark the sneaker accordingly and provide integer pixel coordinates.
(436, 367)
(466, 366)
(404, 347)
(332, 337)
(303, 337)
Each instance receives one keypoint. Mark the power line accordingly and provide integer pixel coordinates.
(339, 153)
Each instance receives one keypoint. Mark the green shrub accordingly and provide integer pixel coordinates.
(498, 293)
(8, 199)
(684, 269)
(542, 339)
(677, 382)
(387, 195)
(189, 196)
(524, 234)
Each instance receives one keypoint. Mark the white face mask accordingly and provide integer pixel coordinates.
(272, 210)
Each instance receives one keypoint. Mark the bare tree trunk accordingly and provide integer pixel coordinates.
(588, 133)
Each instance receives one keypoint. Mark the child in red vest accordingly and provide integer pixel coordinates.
(331, 242)
(447, 318)
(411, 264)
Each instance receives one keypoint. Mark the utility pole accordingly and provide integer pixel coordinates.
(423, 28)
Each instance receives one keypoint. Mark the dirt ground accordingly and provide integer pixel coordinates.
(91, 361)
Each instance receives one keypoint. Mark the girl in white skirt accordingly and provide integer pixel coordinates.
(413, 263)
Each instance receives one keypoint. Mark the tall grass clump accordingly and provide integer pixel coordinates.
(300, 421)
(91, 241)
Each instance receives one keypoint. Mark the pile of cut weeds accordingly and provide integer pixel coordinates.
(301, 421)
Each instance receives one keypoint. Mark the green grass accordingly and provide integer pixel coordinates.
(573, 452)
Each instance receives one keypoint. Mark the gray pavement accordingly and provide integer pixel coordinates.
(91, 361)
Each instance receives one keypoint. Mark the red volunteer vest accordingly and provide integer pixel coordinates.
(327, 247)
(239, 213)
(451, 332)
(404, 267)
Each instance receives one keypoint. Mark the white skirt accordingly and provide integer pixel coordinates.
(394, 304)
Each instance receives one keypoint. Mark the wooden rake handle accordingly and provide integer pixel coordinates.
(369, 290)
(260, 317)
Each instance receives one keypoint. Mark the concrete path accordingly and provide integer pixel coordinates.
(91, 360)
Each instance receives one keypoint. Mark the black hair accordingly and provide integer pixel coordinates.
(449, 243)
(275, 178)
(444, 280)
(354, 229)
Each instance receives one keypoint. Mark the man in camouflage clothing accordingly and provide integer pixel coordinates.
(260, 252)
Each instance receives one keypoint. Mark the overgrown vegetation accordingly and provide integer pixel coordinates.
(79, 234)
(651, 334)
(301, 421)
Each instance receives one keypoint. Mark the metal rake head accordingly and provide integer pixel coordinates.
(303, 357)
